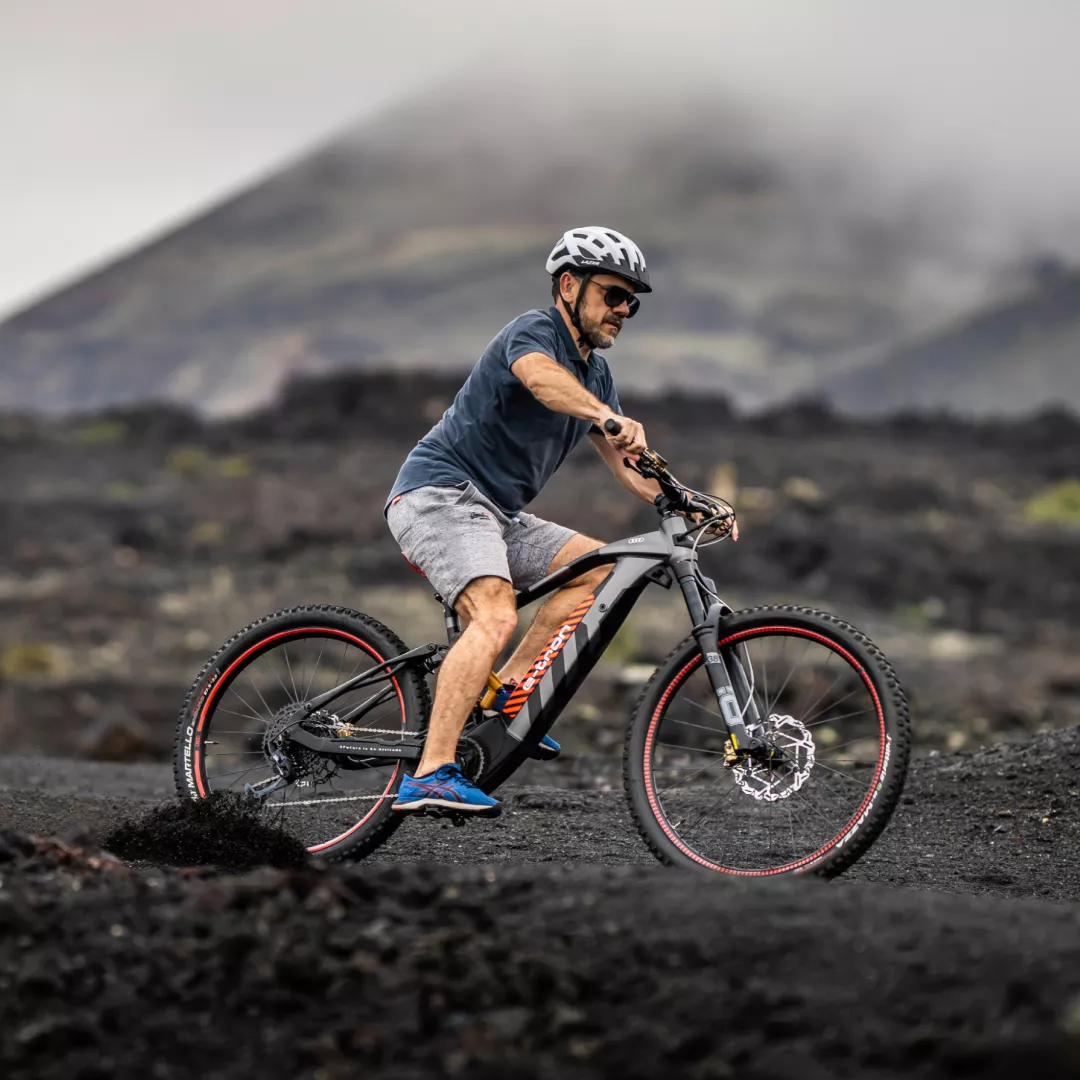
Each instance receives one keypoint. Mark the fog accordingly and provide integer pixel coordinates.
(118, 119)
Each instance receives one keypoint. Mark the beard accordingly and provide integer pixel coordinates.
(602, 336)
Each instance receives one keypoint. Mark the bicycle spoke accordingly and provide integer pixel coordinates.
(241, 716)
(277, 675)
(821, 697)
(698, 705)
(848, 804)
(327, 796)
(253, 712)
(846, 776)
(700, 727)
(711, 765)
(772, 813)
(693, 749)
(259, 692)
(791, 671)
(292, 680)
(842, 716)
(235, 772)
(314, 670)
(850, 693)
(802, 798)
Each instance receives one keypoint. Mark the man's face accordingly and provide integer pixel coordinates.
(601, 324)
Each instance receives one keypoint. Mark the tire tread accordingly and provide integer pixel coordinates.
(371, 630)
(832, 865)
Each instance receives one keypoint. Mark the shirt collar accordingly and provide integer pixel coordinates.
(567, 337)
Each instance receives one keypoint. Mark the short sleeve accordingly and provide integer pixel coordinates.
(531, 333)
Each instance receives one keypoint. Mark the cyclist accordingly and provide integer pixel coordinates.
(456, 508)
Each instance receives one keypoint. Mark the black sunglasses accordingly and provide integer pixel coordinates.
(615, 296)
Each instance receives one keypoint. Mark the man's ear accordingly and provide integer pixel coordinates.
(566, 286)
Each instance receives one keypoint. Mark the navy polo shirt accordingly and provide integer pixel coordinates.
(496, 434)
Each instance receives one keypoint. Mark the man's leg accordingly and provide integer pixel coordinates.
(554, 610)
(487, 605)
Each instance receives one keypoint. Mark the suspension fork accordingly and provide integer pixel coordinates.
(725, 683)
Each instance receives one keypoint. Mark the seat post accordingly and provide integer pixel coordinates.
(452, 620)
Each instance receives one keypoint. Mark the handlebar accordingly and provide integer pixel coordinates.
(675, 496)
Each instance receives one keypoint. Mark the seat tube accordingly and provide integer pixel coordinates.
(453, 623)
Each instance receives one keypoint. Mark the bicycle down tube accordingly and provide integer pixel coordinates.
(568, 657)
(576, 646)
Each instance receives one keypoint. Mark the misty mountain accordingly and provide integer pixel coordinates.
(1011, 358)
(408, 244)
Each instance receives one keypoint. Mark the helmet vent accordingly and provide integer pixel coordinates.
(597, 246)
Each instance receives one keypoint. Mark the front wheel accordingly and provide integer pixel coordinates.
(247, 694)
(834, 719)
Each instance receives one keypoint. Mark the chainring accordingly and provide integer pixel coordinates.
(769, 782)
(470, 758)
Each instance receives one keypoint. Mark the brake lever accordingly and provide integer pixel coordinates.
(635, 466)
(650, 465)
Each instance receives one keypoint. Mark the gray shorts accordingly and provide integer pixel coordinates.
(456, 535)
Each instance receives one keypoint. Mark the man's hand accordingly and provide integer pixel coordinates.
(631, 437)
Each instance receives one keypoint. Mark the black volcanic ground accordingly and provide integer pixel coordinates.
(547, 943)
(132, 543)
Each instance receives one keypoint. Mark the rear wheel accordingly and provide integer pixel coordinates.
(835, 722)
(334, 807)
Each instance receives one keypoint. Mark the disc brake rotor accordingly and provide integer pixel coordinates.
(769, 781)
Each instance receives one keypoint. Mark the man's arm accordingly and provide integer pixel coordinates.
(553, 386)
(635, 483)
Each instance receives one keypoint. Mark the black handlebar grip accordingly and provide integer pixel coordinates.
(612, 427)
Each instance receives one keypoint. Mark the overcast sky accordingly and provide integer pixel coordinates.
(120, 117)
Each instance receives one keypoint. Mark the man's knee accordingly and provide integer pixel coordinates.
(574, 548)
(489, 607)
(593, 578)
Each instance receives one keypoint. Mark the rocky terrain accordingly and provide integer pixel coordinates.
(133, 542)
(544, 944)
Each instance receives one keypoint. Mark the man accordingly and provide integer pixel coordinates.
(456, 508)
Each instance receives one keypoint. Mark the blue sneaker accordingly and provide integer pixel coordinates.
(547, 749)
(444, 790)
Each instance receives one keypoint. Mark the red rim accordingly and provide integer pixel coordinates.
(217, 683)
(846, 832)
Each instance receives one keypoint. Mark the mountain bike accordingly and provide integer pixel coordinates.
(773, 740)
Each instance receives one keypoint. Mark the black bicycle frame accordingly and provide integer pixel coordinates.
(505, 740)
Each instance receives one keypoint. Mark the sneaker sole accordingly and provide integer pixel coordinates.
(441, 806)
(540, 753)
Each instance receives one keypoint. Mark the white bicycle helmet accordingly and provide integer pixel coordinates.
(596, 250)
